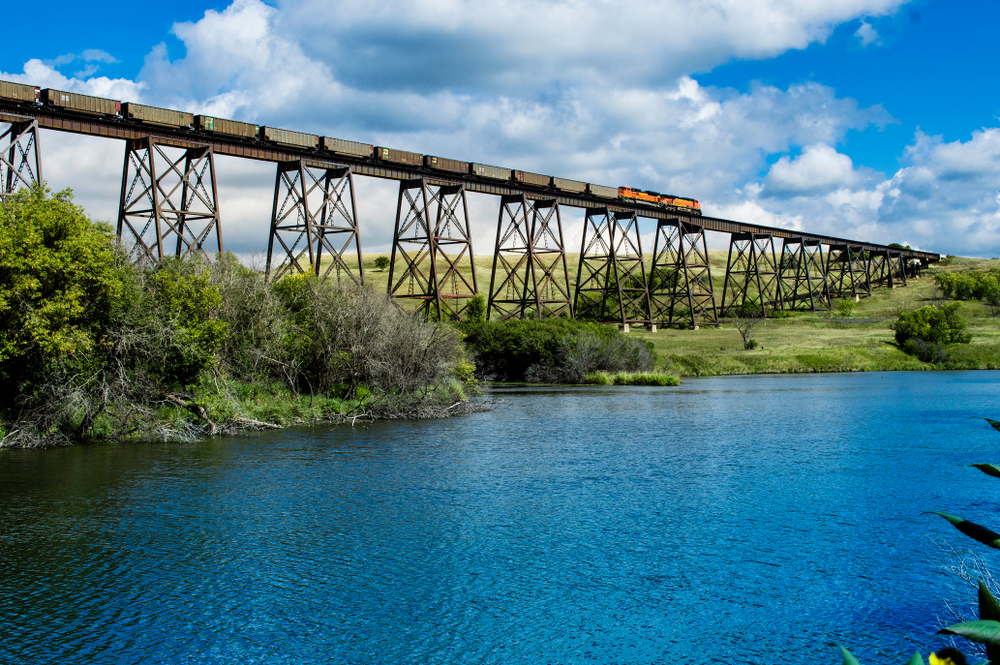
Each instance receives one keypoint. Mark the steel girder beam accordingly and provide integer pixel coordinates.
(680, 280)
(847, 271)
(751, 274)
(530, 261)
(314, 217)
(20, 156)
(432, 220)
(169, 201)
(611, 284)
(802, 275)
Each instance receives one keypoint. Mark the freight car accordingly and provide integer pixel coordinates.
(399, 156)
(80, 103)
(207, 123)
(574, 186)
(602, 191)
(487, 171)
(19, 91)
(343, 147)
(445, 164)
(529, 178)
(288, 137)
(151, 115)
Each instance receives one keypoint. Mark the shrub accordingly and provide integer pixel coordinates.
(938, 325)
(382, 262)
(846, 307)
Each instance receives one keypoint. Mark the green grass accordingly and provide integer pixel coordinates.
(632, 379)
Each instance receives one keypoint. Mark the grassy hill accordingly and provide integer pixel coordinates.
(807, 341)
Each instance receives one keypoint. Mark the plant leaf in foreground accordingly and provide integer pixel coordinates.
(973, 530)
(982, 631)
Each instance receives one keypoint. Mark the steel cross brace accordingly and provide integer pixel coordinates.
(163, 200)
(751, 274)
(435, 219)
(611, 282)
(531, 259)
(680, 279)
(802, 275)
(317, 218)
(848, 271)
(20, 156)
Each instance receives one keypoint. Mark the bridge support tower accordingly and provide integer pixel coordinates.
(529, 276)
(20, 154)
(847, 270)
(751, 274)
(802, 275)
(611, 282)
(680, 280)
(314, 218)
(169, 199)
(431, 221)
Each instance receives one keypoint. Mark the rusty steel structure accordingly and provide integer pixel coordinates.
(315, 216)
(611, 284)
(169, 206)
(751, 275)
(680, 278)
(802, 275)
(169, 199)
(530, 277)
(20, 154)
(430, 242)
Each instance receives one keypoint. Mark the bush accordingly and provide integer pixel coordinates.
(846, 307)
(970, 285)
(937, 325)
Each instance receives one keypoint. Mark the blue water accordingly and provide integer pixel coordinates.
(731, 520)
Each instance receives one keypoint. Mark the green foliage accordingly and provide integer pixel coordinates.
(382, 262)
(554, 350)
(631, 379)
(931, 325)
(896, 245)
(845, 307)
(475, 311)
(62, 283)
(970, 284)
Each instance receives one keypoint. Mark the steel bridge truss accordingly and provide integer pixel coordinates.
(431, 240)
(314, 217)
(530, 262)
(20, 156)
(802, 275)
(611, 282)
(847, 270)
(886, 269)
(680, 280)
(169, 201)
(751, 275)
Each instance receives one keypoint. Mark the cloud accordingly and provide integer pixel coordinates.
(866, 34)
(819, 169)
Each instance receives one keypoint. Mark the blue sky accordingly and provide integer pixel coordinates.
(873, 119)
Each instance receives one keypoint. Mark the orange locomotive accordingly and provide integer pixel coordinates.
(662, 200)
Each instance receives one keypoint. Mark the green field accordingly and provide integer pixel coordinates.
(806, 342)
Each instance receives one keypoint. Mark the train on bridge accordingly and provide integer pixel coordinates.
(181, 120)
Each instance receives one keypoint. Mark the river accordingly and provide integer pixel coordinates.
(728, 520)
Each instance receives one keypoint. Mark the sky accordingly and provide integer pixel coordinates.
(876, 120)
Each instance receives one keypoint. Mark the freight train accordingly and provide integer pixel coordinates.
(233, 129)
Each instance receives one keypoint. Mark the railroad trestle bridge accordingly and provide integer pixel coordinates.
(169, 207)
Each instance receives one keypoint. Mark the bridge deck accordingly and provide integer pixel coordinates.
(118, 128)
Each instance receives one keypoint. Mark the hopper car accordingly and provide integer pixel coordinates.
(71, 102)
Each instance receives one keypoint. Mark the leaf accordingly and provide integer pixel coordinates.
(995, 424)
(984, 632)
(989, 609)
(916, 659)
(988, 469)
(848, 658)
(973, 530)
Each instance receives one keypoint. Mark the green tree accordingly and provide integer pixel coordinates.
(382, 263)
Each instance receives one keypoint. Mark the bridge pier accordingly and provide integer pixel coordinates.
(897, 269)
(847, 272)
(751, 273)
(611, 282)
(879, 271)
(680, 280)
(434, 219)
(314, 216)
(802, 275)
(169, 203)
(533, 278)
(20, 154)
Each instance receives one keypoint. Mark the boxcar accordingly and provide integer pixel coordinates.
(399, 156)
(344, 147)
(152, 115)
(602, 191)
(569, 185)
(207, 123)
(487, 171)
(529, 178)
(18, 91)
(288, 137)
(80, 103)
(445, 164)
